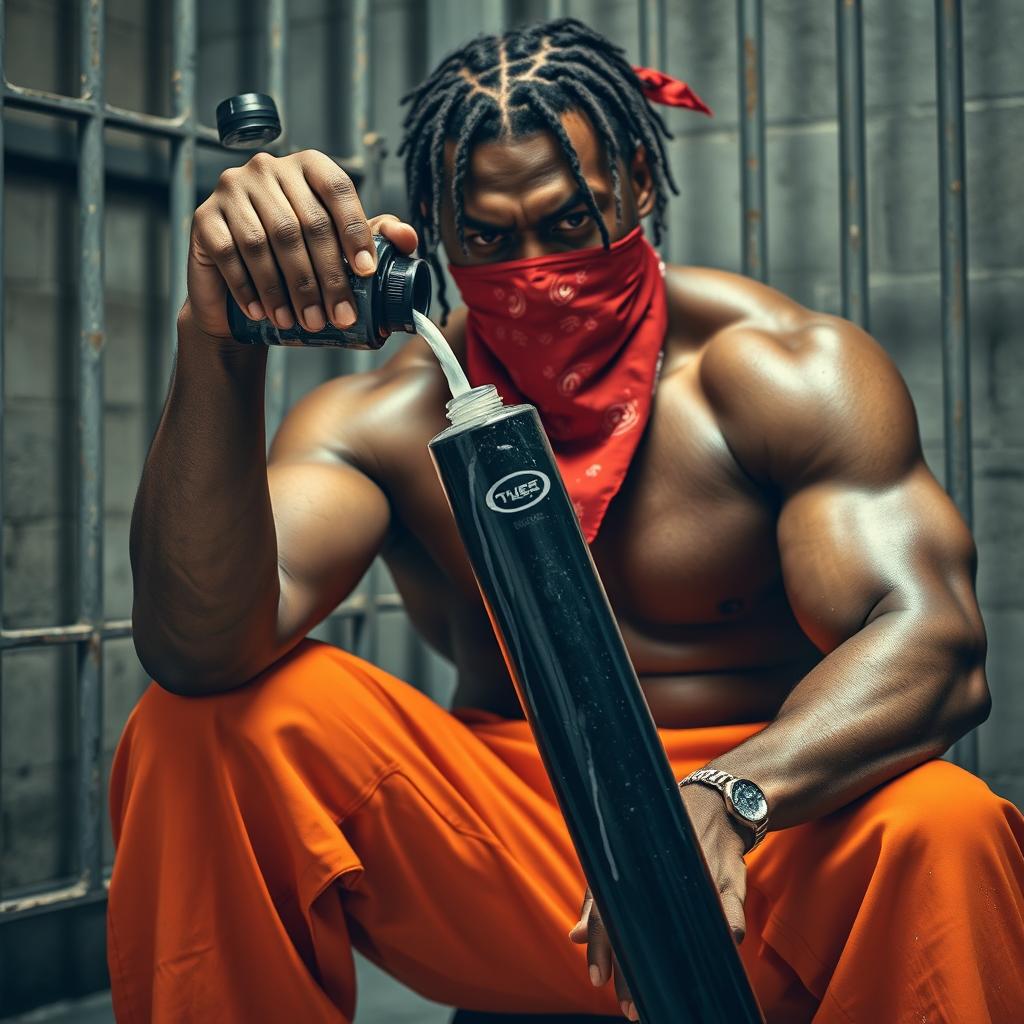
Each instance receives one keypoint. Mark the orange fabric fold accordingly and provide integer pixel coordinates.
(265, 833)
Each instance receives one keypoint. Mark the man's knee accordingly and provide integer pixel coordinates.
(938, 803)
(294, 689)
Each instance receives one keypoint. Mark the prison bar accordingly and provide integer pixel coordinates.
(91, 340)
(3, 411)
(750, 29)
(852, 182)
(276, 52)
(956, 361)
(183, 166)
(654, 53)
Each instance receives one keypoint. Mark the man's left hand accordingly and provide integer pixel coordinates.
(723, 841)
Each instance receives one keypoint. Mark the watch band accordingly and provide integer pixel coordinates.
(717, 779)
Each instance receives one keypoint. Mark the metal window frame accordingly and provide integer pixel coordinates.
(92, 114)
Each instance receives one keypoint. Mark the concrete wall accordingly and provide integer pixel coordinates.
(38, 573)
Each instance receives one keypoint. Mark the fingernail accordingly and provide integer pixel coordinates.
(283, 317)
(344, 314)
(365, 261)
(595, 974)
(255, 311)
(629, 1010)
(313, 317)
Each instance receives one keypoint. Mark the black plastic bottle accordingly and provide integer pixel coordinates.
(592, 725)
(384, 302)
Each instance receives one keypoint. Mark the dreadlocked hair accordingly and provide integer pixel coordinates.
(516, 84)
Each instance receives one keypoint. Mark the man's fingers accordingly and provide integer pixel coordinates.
(601, 961)
(287, 241)
(599, 948)
(578, 932)
(338, 194)
(401, 235)
(733, 907)
(324, 248)
(622, 991)
(212, 244)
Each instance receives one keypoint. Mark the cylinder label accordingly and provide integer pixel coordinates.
(518, 491)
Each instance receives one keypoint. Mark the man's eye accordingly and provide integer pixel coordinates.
(485, 238)
(572, 221)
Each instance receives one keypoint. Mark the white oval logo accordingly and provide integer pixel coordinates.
(518, 491)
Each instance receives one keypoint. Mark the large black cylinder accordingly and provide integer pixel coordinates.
(589, 717)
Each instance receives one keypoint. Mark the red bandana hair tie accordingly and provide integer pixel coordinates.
(670, 92)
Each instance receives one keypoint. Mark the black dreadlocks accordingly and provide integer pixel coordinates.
(515, 84)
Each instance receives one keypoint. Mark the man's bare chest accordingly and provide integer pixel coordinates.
(687, 541)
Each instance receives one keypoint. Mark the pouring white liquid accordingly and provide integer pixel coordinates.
(457, 382)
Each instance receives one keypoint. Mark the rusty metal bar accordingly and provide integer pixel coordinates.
(53, 636)
(51, 899)
(276, 394)
(3, 392)
(750, 32)
(654, 53)
(41, 101)
(49, 102)
(183, 166)
(82, 632)
(367, 634)
(956, 341)
(852, 172)
(91, 338)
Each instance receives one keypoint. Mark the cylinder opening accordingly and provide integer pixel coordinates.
(421, 286)
(476, 403)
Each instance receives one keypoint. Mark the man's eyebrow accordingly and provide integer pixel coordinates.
(573, 201)
(483, 225)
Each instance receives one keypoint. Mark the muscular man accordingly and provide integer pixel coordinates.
(794, 588)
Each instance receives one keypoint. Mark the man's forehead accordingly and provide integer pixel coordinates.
(514, 165)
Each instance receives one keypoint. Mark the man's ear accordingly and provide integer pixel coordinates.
(641, 181)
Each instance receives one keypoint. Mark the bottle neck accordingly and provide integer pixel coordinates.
(477, 403)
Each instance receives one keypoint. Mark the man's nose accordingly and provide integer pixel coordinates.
(530, 246)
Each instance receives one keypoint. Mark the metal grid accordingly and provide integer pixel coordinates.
(92, 114)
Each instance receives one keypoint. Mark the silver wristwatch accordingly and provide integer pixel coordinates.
(744, 800)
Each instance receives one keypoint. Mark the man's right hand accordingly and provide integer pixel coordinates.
(273, 233)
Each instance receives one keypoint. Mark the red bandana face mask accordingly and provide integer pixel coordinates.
(579, 335)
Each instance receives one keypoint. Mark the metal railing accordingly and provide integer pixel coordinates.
(184, 132)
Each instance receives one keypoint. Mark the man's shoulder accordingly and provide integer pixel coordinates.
(786, 383)
(748, 333)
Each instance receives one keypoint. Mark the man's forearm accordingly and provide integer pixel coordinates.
(203, 545)
(895, 694)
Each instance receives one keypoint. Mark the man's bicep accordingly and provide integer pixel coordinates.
(331, 520)
(850, 552)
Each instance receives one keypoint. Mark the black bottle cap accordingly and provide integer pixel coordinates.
(406, 288)
(248, 121)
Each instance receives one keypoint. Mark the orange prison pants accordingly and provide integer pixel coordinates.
(263, 833)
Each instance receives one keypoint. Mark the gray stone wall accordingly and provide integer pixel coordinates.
(802, 217)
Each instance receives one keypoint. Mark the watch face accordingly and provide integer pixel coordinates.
(748, 800)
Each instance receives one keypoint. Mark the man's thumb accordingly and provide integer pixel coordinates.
(733, 907)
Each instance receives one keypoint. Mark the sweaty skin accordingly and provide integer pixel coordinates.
(779, 551)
